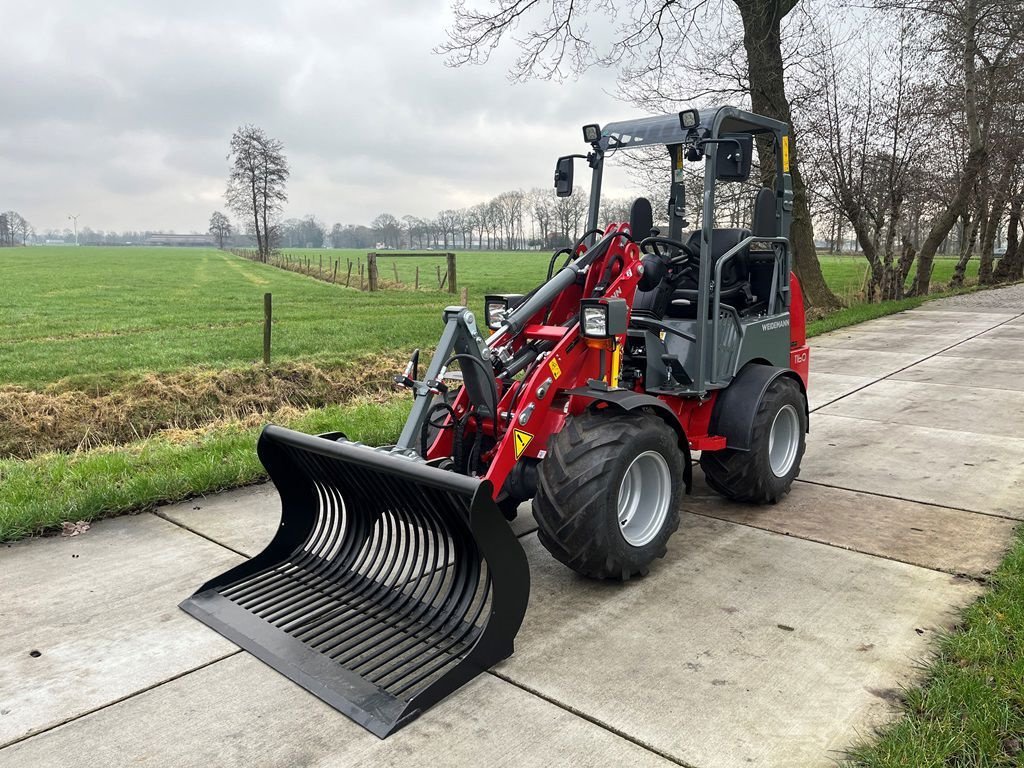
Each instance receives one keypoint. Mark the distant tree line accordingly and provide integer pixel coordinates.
(511, 221)
(14, 229)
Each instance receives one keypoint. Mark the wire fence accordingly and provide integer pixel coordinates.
(372, 272)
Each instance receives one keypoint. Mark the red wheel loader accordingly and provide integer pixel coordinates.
(394, 577)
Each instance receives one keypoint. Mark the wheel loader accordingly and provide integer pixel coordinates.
(394, 576)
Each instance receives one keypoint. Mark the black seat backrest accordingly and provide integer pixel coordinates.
(654, 302)
(722, 240)
(641, 218)
(762, 256)
(765, 223)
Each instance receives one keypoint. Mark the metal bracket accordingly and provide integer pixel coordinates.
(460, 337)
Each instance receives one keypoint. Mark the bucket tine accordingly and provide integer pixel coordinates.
(388, 585)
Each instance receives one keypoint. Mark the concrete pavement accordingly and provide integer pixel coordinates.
(768, 636)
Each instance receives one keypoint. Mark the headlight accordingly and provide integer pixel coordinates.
(688, 119)
(595, 322)
(495, 314)
(497, 305)
(591, 133)
(602, 318)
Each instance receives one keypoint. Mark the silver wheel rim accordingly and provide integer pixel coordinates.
(784, 440)
(644, 497)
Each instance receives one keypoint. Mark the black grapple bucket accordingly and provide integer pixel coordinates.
(389, 583)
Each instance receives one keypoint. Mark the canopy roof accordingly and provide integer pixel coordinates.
(665, 129)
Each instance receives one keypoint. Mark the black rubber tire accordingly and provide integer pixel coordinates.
(747, 475)
(576, 505)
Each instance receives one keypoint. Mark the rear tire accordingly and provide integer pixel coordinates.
(608, 493)
(765, 473)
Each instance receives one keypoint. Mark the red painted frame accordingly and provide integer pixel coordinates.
(572, 362)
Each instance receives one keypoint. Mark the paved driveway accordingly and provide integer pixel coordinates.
(767, 637)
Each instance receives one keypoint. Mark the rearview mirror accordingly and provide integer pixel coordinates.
(734, 157)
(563, 177)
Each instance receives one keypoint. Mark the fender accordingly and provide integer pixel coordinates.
(628, 400)
(733, 414)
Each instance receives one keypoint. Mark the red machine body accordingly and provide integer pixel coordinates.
(536, 406)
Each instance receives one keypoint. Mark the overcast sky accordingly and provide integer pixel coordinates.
(121, 111)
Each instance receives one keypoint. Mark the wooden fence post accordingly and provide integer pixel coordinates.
(394, 265)
(321, 266)
(360, 276)
(417, 278)
(440, 282)
(451, 273)
(268, 319)
(465, 297)
(348, 278)
(335, 278)
(371, 270)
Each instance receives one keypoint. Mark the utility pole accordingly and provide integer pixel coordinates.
(75, 219)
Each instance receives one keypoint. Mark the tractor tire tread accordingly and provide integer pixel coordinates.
(735, 475)
(572, 482)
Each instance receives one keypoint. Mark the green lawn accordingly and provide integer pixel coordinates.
(845, 274)
(105, 311)
(95, 313)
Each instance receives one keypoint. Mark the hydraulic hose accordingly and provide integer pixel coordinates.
(489, 376)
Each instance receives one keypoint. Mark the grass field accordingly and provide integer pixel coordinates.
(92, 317)
(93, 314)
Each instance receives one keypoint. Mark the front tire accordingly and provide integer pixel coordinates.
(608, 493)
(766, 472)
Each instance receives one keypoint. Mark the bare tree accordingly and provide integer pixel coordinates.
(447, 223)
(553, 41)
(415, 230)
(870, 138)
(974, 39)
(256, 183)
(388, 229)
(220, 228)
(14, 229)
(542, 203)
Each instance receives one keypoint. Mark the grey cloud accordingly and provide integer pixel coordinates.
(122, 111)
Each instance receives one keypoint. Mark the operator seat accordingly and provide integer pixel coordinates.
(735, 284)
(747, 276)
(655, 302)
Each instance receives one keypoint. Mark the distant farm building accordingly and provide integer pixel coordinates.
(180, 240)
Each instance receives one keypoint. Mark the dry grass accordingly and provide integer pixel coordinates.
(59, 419)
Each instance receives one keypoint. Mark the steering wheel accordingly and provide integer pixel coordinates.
(655, 245)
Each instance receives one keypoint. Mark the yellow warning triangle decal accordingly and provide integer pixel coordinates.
(522, 439)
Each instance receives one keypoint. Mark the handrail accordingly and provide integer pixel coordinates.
(716, 303)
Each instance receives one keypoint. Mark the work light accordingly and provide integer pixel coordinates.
(602, 318)
(592, 133)
(689, 118)
(497, 305)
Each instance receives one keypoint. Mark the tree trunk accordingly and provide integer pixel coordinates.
(988, 242)
(966, 250)
(256, 217)
(944, 222)
(903, 269)
(763, 43)
(1011, 266)
(976, 157)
